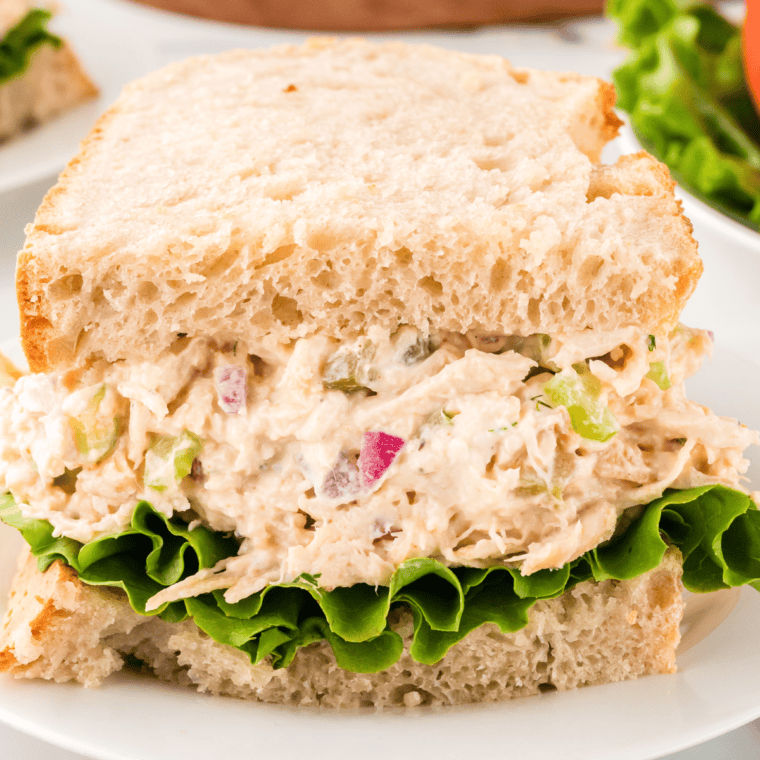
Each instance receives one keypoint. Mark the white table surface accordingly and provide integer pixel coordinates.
(583, 46)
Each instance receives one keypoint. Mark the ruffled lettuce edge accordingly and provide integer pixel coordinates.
(716, 529)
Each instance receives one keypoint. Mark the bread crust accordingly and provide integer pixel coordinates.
(58, 628)
(303, 198)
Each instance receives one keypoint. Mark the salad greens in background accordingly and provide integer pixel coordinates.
(684, 87)
(716, 529)
(21, 40)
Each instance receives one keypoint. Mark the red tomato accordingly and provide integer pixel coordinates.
(751, 47)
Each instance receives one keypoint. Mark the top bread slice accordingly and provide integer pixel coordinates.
(342, 183)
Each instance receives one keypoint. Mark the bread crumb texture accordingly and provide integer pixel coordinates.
(58, 628)
(341, 183)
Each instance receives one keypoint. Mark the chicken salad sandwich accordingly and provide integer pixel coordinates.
(357, 379)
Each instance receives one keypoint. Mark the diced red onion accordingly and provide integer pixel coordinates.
(342, 481)
(378, 452)
(712, 335)
(231, 387)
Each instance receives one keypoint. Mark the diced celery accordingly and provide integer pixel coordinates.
(170, 459)
(579, 394)
(442, 417)
(348, 371)
(94, 441)
(340, 373)
(659, 375)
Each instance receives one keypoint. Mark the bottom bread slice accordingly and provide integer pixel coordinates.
(54, 82)
(59, 628)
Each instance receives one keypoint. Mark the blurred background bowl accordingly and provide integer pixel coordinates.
(731, 255)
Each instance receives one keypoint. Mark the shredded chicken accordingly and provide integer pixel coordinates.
(484, 465)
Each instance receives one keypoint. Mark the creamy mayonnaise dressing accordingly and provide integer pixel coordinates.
(490, 470)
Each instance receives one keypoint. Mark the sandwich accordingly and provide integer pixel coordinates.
(358, 380)
(40, 76)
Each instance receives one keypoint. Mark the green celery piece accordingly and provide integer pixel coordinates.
(684, 87)
(579, 394)
(347, 371)
(179, 451)
(89, 437)
(659, 375)
(717, 530)
(340, 374)
(22, 40)
(442, 417)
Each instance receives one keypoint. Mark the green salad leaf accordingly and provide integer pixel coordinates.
(21, 40)
(684, 88)
(717, 530)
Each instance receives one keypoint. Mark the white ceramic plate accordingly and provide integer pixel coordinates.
(133, 717)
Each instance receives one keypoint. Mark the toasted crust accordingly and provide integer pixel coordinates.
(338, 184)
(57, 628)
(54, 82)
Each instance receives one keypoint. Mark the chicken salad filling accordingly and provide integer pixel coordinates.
(344, 461)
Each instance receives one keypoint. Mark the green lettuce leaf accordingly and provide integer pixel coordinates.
(717, 530)
(684, 88)
(20, 42)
